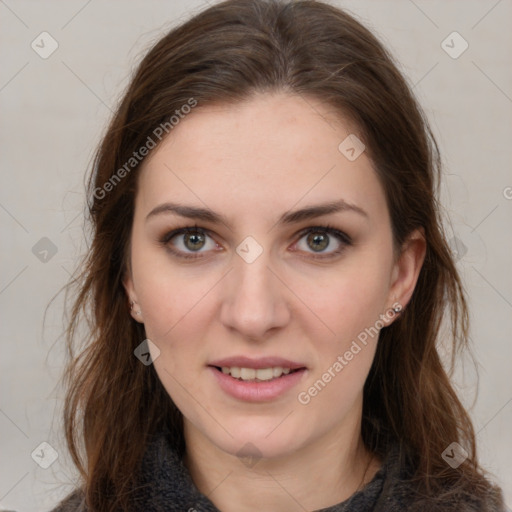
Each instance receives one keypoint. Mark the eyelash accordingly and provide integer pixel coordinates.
(343, 238)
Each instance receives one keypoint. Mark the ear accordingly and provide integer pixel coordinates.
(407, 268)
(131, 296)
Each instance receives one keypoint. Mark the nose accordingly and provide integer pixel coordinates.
(254, 300)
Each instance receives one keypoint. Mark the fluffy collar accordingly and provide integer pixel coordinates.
(165, 485)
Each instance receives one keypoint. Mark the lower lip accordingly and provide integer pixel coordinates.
(262, 391)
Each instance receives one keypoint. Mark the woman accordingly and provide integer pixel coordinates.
(266, 282)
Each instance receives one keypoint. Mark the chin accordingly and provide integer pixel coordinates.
(256, 437)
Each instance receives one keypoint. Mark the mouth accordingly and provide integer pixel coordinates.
(256, 374)
(257, 380)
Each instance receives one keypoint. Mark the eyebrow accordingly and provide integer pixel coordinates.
(207, 215)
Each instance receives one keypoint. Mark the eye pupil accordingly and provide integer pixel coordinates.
(319, 240)
(196, 240)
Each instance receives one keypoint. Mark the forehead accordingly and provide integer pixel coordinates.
(262, 155)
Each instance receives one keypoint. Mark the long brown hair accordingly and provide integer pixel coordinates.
(225, 54)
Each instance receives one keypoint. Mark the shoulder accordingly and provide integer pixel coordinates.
(454, 501)
(74, 502)
(407, 500)
(400, 493)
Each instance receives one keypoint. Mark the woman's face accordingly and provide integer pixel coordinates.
(266, 313)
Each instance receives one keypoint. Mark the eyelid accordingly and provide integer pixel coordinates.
(167, 237)
(329, 229)
(342, 238)
(180, 231)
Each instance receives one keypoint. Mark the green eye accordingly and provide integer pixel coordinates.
(194, 241)
(184, 242)
(318, 241)
(188, 242)
(319, 238)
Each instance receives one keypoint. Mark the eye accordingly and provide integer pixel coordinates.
(315, 240)
(189, 242)
(184, 242)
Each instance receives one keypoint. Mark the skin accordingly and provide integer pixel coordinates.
(253, 162)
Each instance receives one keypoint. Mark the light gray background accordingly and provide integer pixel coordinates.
(54, 111)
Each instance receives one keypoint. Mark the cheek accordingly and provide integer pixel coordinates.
(168, 293)
(350, 302)
(350, 297)
(344, 359)
(177, 308)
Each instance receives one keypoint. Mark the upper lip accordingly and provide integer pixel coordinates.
(259, 363)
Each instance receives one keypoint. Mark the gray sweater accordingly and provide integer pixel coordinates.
(166, 486)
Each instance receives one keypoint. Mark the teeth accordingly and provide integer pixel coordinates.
(252, 374)
(264, 374)
(247, 373)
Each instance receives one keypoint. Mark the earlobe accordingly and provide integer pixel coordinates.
(135, 310)
(407, 268)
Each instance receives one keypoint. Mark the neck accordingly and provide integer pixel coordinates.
(336, 464)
